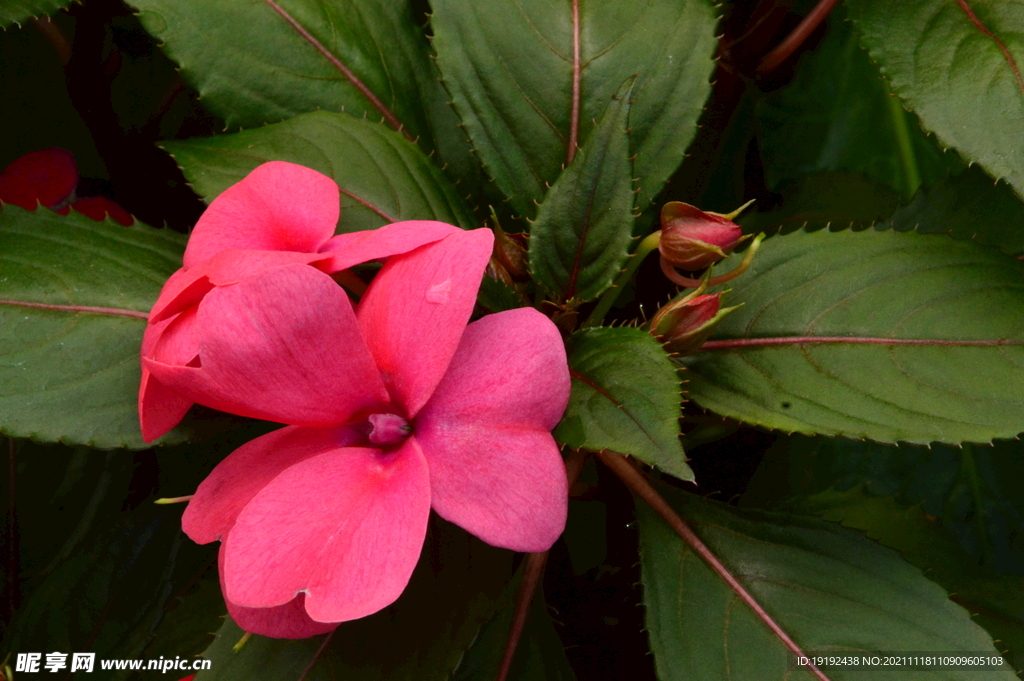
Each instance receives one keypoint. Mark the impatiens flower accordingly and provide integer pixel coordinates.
(684, 324)
(395, 407)
(280, 214)
(49, 177)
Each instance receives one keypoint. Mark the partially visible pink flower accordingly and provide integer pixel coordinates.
(47, 177)
(279, 214)
(395, 408)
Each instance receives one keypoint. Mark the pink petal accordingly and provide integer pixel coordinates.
(99, 207)
(346, 527)
(283, 621)
(212, 511)
(187, 287)
(494, 467)
(282, 345)
(416, 308)
(398, 237)
(277, 207)
(160, 408)
(172, 341)
(46, 177)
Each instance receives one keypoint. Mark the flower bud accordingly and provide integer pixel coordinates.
(684, 324)
(694, 240)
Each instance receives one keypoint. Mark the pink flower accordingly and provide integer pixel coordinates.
(280, 214)
(395, 408)
(49, 177)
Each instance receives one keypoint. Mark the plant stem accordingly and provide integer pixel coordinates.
(649, 243)
(794, 40)
(909, 160)
(637, 482)
(532, 574)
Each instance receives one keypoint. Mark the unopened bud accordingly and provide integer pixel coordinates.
(692, 239)
(684, 324)
(509, 255)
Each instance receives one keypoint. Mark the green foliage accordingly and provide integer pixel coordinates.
(510, 69)
(21, 11)
(610, 409)
(295, 56)
(583, 229)
(954, 514)
(383, 177)
(957, 65)
(67, 375)
(883, 285)
(539, 655)
(455, 589)
(829, 588)
(967, 206)
(838, 115)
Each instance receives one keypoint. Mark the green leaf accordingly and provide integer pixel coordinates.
(829, 588)
(835, 200)
(539, 655)
(955, 303)
(455, 589)
(958, 65)
(625, 397)
(383, 177)
(845, 481)
(368, 59)
(967, 206)
(583, 229)
(970, 491)
(73, 375)
(22, 11)
(837, 115)
(510, 68)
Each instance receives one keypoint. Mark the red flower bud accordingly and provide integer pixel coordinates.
(694, 240)
(684, 324)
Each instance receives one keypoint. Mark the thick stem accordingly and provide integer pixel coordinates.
(637, 482)
(532, 573)
(649, 243)
(907, 156)
(794, 40)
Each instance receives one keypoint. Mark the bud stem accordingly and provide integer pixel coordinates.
(687, 282)
(649, 243)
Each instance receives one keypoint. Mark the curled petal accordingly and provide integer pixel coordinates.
(415, 310)
(212, 511)
(282, 345)
(495, 470)
(345, 527)
(284, 621)
(279, 206)
(173, 341)
(394, 239)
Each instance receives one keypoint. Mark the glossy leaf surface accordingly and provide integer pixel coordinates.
(610, 409)
(383, 177)
(829, 588)
(957, 64)
(73, 375)
(952, 309)
(525, 94)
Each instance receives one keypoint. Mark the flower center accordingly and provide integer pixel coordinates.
(388, 429)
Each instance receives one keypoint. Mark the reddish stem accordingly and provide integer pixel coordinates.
(574, 122)
(999, 43)
(532, 573)
(804, 29)
(319, 651)
(804, 340)
(79, 308)
(364, 202)
(637, 482)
